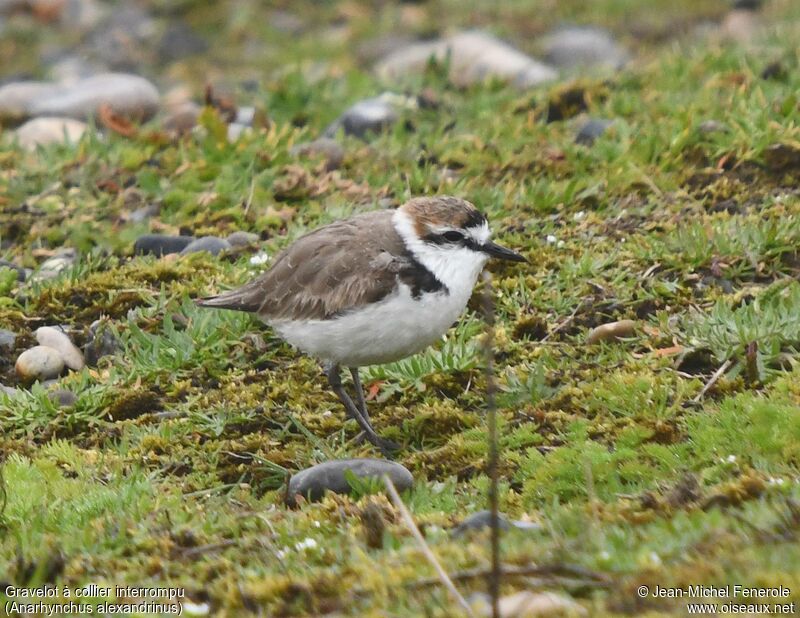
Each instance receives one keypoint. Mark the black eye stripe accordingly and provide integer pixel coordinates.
(441, 239)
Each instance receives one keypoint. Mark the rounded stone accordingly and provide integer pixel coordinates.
(39, 363)
(161, 244)
(479, 520)
(312, 483)
(583, 46)
(48, 130)
(325, 148)
(612, 331)
(472, 56)
(7, 340)
(591, 130)
(212, 244)
(483, 519)
(63, 398)
(52, 266)
(9, 391)
(127, 95)
(367, 116)
(58, 340)
(242, 239)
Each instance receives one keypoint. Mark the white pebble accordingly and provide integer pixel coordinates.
(307, 543)
(259, 258)
(54, 338)
(551, 239)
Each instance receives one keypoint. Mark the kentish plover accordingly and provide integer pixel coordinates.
(372, 289)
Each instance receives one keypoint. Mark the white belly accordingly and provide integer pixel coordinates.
(389, 330)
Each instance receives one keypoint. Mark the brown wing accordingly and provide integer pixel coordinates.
(333, 269)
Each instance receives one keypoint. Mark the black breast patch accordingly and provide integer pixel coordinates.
(417, 277)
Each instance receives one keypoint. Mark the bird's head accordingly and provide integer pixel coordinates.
(449, 226)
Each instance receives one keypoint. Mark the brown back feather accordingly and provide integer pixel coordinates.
(335, 268)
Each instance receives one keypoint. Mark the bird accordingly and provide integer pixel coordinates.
(371, 289)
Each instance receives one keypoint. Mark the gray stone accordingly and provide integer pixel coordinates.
(245, 115)
(370, 115)
(312, 483)
(52, 266)
(212, 244)
(8, 390)
(101, 342)
(328, 149)
(127, 95)
(161, 244)
(583, 47)
(473, 56)
(63, 398)
(182, 118)
(7, 340)
(708, 127)
(143, 214)
(235, 131)
(58, 340)
(242, 239)
(39, 363)
(483, 519)
(591, 130)
(49, 130)
(479, 520)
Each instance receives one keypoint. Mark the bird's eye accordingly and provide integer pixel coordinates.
(453, 236)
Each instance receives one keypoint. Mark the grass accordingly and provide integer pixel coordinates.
(170, 466)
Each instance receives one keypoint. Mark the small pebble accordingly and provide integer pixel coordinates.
(143, 214)
(612, 331)
(712, 126)
(51, 267)
(127, 95)
(242, 239)
(472, 56)
(312, 483)
(370, 115)
(7, 340)
(328, 149)
(591, 130)
(56, 339)
(245, 116)
(182, 118)
(8, 390)
(161, 244)
(235, 131)
(49, 130)
(212, 244)
(39, 363)
(63, 398)
(583, 47)
(483, 519)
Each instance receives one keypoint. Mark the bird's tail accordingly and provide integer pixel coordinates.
(237, 300)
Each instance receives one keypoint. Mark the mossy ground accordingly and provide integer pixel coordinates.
(169, 467)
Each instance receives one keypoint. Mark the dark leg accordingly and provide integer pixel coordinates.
(360, 401)
(386, 446)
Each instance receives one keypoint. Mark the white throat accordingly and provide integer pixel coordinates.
(457, 267)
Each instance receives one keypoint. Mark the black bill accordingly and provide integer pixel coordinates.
(495, 250)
